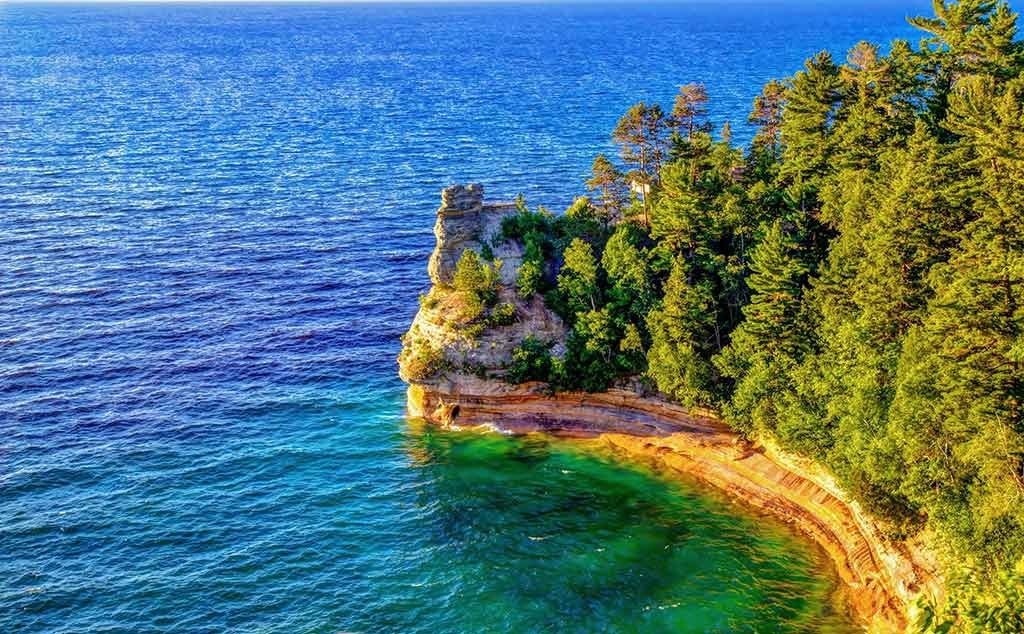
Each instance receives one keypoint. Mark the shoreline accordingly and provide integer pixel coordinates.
(880, 578)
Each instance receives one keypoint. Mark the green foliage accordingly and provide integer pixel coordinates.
(852, 284)
(777, 274)
(812, 101)
(502, 315)
(588, 363)
(682, 330)
(469, 275)
(536, 232)
(632, 289)
(578, 281)
(631, 351)
(530, 278)
(767, 116)
(690, 111)
(977, 602)
(531, 361)
(642, 136)
(420, 360)
(960, 383)
(525, 223)
(610, 183)
(428, 301)
(476, 282)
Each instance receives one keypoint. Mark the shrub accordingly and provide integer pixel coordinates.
(502, 315)
(472, 332)
(421, 360)
(531, 361)
(476, 282)
(428, 301)
(525, 222)
(530, 279)
(469, 273)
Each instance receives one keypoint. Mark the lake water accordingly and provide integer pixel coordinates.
(214, 224)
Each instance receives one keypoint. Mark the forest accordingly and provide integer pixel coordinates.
(850, 284)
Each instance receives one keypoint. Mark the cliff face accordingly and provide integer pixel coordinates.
(463, 388)
(438, 334)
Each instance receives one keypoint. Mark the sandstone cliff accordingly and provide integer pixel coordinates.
(455, 372)
(440, 342)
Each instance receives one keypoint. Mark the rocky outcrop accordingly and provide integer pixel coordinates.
(882, 578)
(464, 221)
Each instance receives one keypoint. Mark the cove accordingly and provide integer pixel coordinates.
(534, 533)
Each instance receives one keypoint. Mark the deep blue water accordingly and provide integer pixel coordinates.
(214, 223)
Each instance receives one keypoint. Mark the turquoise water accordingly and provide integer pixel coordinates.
(215, 223)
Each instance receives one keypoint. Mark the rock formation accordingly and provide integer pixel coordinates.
(465, 222)
(464, 388)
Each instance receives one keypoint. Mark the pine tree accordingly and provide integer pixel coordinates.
(958, 409)
(641, 134)
(475, 281)
(611, 184)
(682, 339)
(578, 280)
(679, 217)
(812, 100)
(771, 339)
(776, 280)
(872, 115)
(632, 291)
(973, 37)
(690, 111)
(767, 117)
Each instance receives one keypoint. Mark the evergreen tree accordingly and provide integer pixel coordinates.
(771, 339)
(851, 285)
(627, 265)
(690, 111)
(682, 339)
(641, 135)
(611, 185)
(777, 276)
(767, 117)
(871, 116)
(812, 101)
(972, 37)
(476, 282)
(679, 217)
(631, 348)
(958, 412)
(578, 281)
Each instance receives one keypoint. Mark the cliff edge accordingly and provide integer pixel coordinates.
(456, 357)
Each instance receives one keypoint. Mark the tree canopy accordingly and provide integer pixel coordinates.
(850, 284)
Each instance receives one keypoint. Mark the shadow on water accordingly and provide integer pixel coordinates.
(562, 536)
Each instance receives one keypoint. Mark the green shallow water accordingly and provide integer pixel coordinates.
(560, 536)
